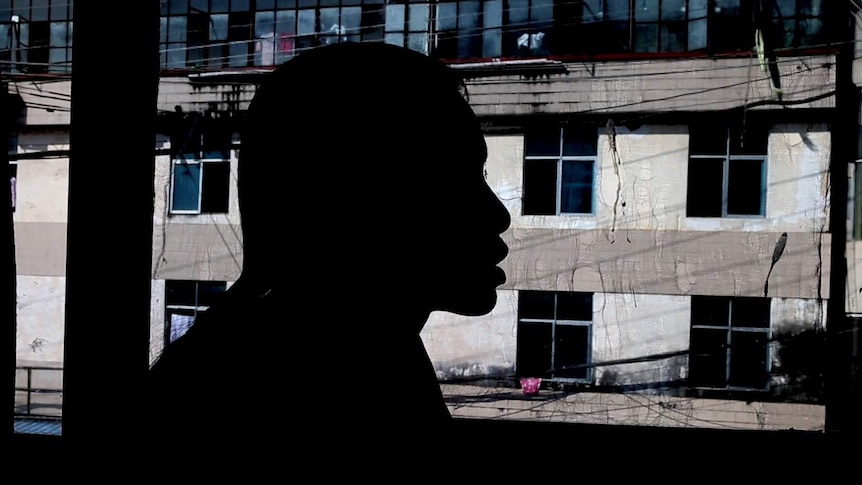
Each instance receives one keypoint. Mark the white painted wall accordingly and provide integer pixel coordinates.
(41, 319)
(625, 326)
(652, 176)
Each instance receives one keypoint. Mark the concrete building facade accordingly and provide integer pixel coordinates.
(669, 188)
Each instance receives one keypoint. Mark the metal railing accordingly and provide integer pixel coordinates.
(38, 392)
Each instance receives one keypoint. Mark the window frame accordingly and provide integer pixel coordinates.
(202, 162)
(554, 323)
(727, 158)
(195, 307)
(730, 328)
(560, 159)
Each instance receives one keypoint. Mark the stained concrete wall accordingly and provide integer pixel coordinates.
(40, 223)
(656, 86)
(626, 326)
(41, 320)
(195, 247)
(642, 241)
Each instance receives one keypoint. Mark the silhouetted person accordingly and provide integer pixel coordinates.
(364, 209)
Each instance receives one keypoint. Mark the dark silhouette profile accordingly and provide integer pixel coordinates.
(364, 208)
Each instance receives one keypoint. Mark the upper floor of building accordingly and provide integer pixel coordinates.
(36, 35)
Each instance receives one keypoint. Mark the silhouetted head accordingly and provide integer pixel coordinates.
(361, 173)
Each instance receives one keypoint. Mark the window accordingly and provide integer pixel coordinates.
(727, 170)
(469, 29)
(407, 25)
(669, 25)
(529, 28)
(559, 166)
(799, 22)
(729, 346)
(184, 301)
(200, 167)
(554, 335)
(36, 35)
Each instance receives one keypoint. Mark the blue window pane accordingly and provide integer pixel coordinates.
(418, 20)
(186, 190)
(577, 187)
(395, 18)
(697, 34)
(646, 10)
(447, 16)
(673, 10)
(519, 13)
(581, 142)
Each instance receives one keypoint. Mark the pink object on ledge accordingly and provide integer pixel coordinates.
(530, 385)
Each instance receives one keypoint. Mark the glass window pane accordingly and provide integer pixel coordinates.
(264, 24)
(533, 354)
(673, 37)
(210, 291)
(240, 5)
(571, 348)
(697, 9)
(710, 310)
(577, 187)
(646, 38)
(216, 187)
(219, 5)
(748, 355)
(542, 142)
(673, 9)
(218, 27)
(519, 13)
(38, 10)
(705, 187)
(592, 11)
(697, 35)
(542, 11)
(59, 36)
(178, 7)
(418, 20)
(750, 312)
(58, 10)
(351, 21)
(180, 292)
(745, 187)
(163, 29)
(492, 43)
(617, 10)
(646, 10)
(447, 16)
(418, 41)
(394, 18)
(708, 358)
(580, 141)
(186, 190)
(176, 56)
(536, 304)
(394, 39)
(575, 306)
(812, 8)
(540, 187)
(177, 29)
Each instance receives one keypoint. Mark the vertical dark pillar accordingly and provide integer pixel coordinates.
(842, 409)
(10, 320)
(111, 168)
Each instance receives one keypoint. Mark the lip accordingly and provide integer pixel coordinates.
(499, 275)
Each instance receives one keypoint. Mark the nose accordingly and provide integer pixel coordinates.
(500, 219)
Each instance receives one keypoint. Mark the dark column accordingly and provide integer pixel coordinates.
(111, 169)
